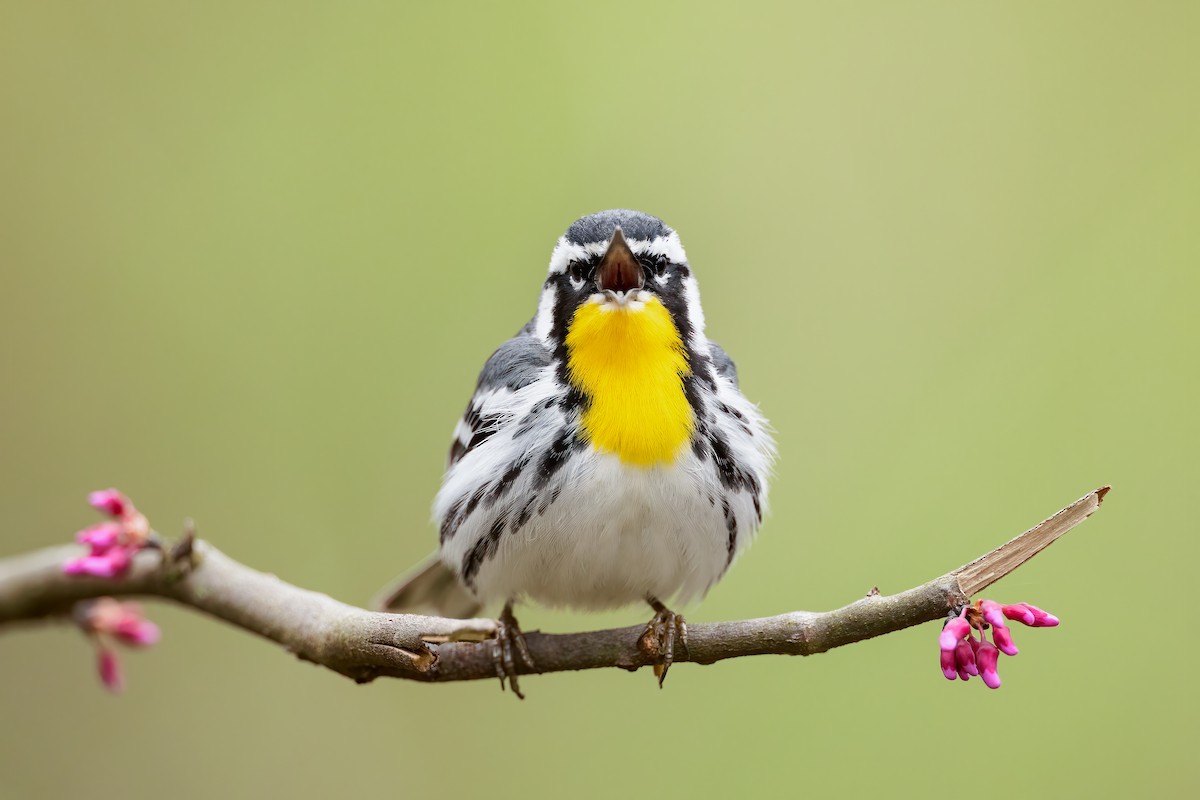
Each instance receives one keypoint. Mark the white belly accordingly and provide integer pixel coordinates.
(616, 534)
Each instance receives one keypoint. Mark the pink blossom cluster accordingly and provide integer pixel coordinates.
(113, 543)
(965, 650)
(110, 621)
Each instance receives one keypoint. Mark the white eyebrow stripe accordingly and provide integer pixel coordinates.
(565, 252)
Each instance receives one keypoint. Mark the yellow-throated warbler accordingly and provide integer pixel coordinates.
(607, 456)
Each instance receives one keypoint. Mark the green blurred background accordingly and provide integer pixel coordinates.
(253, 256)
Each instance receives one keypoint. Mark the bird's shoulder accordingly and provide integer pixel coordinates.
(513, 366)
(722, 362)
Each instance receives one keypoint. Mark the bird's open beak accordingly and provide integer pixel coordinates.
(619, 270)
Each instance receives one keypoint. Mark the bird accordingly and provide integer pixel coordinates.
(607, 456)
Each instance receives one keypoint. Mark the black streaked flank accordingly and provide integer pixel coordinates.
(731, 527)
(549, 500)
(474, 560)
(525, 513)
(530, 419)
(497, 527)
(482, 426)
(733, 476)
(459, 512)
(483, 550)
(450, 522)
(515, 364)
(574, 400)
(738, 416)
(700, 441)
(457, 451)
(507, 479)
(556, 456)
(479, 439)
(727, 409)
(472, 416)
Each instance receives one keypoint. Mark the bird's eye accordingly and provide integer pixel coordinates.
(659, 264)
(578, 270)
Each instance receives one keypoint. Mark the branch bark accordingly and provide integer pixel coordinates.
(364, 645)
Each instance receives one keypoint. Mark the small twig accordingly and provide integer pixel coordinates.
(364, 645)
(991, 567)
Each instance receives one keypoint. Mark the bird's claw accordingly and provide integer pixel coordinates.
(658, 640)
(507, 639)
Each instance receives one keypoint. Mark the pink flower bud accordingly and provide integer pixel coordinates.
(122, 620)
(992, 612)
(1004, 641)
(88, 565)
(110, 671)
(107, 620)
(986, 659)
(1018, 612)
(954, 630)
(109, 564)
(100, 537)
(1041, 619)
(110, 501)
(113, 544)
(964, 656)
(120, 558)
(136, 631)
(949, 668)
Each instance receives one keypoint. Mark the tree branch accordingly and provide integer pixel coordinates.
(364, 645)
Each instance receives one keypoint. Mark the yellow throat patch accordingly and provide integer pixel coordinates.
(630, 362)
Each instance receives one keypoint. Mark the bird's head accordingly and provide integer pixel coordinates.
(621, 311)
(619, 261)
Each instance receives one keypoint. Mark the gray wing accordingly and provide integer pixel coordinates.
(432, 587)
(723, 363)
(516, 364)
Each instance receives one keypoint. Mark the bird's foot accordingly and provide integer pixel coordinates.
(508, 645)
(658, 640)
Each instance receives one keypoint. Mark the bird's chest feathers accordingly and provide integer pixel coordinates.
(629, 362)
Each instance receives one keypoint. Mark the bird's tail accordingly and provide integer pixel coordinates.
(430, 588)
